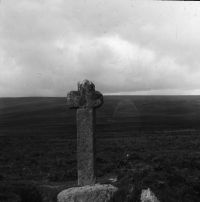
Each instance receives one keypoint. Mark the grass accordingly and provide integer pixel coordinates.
(147, 141)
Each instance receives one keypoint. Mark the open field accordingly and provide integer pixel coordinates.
(159, 136)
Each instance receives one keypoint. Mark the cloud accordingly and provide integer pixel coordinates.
(47, 46)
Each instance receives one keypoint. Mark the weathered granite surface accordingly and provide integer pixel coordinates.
(148, 196)
(86, 146)
(85, 97)
(96, 193)
(85, 100)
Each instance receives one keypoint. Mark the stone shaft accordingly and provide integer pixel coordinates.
(86, 146)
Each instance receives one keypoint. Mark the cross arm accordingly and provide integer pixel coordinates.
(73, 99)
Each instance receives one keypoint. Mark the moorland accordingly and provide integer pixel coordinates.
(145, 141)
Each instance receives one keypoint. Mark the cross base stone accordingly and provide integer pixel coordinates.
(95, 193)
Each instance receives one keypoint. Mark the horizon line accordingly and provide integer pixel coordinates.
(103, 95)
(166, 92)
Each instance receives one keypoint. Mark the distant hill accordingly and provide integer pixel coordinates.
(148, 113)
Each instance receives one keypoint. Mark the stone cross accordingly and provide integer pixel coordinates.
(85, 100)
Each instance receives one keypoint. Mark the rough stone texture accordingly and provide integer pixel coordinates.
(85, 97)
(85, 100)
(148, 196)
(85, 146)
(96, 193)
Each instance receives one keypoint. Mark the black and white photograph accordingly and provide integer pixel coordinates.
(99, 101)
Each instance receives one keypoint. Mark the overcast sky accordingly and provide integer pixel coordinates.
(124, 47)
